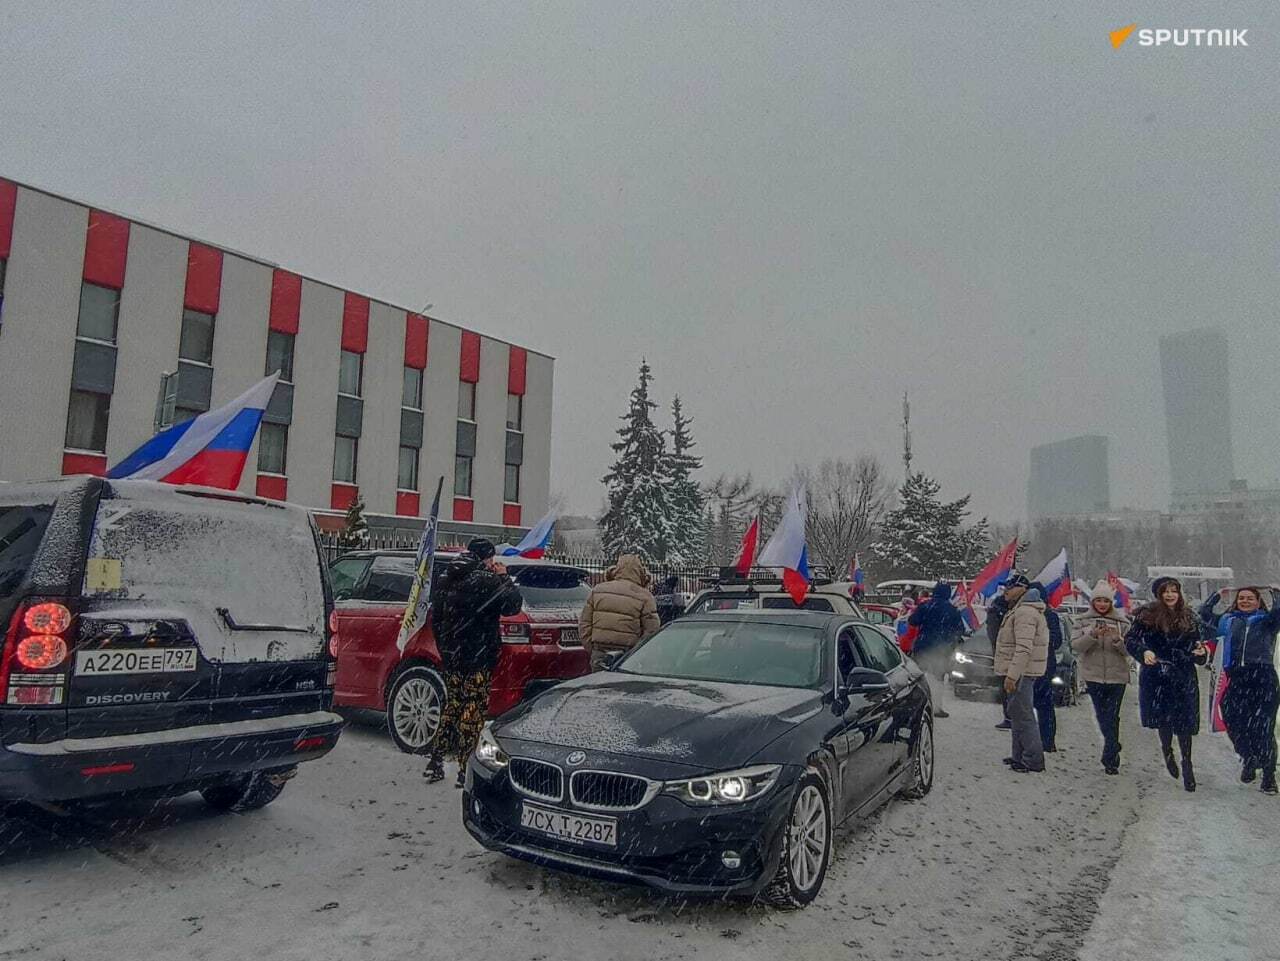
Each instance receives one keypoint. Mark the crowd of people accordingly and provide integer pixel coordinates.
(1167, 641)
(1165, 638)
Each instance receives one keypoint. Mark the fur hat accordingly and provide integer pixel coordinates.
(1160, 583)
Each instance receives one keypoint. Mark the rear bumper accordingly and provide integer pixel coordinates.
(528, 669)
(189, 756)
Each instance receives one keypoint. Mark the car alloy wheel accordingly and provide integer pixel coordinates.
(414, 707)
(921, 761)
(806, 846)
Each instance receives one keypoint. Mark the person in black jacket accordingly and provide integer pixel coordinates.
(668, 599)
(1165, 640)
(1042, 697)
(1247, 633)
(996, 611)
(940, 628)
(473, 595)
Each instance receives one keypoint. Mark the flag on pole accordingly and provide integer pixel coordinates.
(1056, 578)
(1123, 595)
(786, 549)
(747, 552)
(857, 576)
(989, 579)
(963, 602)
(535, 543)
(210, 449)
(415, 613)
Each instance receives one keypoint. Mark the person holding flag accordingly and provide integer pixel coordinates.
(474, 594)
(940, 628)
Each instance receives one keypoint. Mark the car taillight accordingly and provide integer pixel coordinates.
(36, 641)
(515, 633)
(333, 634)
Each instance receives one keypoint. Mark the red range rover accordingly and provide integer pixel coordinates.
(371, 589)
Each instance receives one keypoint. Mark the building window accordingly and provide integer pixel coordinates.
(350, 373)
(407, 479)
(99, 313)
(515, 412)
(197, 337)
(273, 448)
(411, 395)
(345, 451)
(183, 414)
(511, 488)
(462, 477)
(87, 421)
(466, 400)
(280, 355)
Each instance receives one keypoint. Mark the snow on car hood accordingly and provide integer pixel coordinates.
(711, 725)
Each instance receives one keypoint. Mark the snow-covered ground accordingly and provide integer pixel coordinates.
(360, 859)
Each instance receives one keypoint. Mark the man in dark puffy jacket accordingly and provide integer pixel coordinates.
(940, 628)
(996, 611)
(1043, 696)
(474, 593)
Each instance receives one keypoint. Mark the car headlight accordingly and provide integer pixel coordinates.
(489, 752)
(963, 658)
(731, 787)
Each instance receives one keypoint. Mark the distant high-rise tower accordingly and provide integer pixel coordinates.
(1069, 477)
(1197, 411)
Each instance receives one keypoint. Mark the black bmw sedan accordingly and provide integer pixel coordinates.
(716, 758)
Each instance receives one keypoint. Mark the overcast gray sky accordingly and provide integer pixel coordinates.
(794, 210)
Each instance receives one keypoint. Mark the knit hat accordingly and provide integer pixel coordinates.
(1160, 583)
(481, 548)
(1103, 589)
(1033, 596)
(1017, 579)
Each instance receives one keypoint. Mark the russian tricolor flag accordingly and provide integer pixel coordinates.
(209, 450)
(535, 543)
(994, 574)
(786, 549)
(1056, 578)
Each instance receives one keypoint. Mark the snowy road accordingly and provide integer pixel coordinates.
(359, 859)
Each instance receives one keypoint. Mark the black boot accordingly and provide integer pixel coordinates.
(1269, 782)
(1249, 773)
(1188, 775)
(435, 770)
(1170, 763)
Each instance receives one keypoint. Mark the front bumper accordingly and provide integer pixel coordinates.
(172, 759)
(666, 845)
(974, 676)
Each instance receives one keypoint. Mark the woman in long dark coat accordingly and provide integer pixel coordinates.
(1165, 640)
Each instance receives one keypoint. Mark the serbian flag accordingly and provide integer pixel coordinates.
(535, 543)
(857, 576)
(1123, 595)
(993, 575)
(786, 549)
(209, 450)
(747, 552)
(963, 601)
(1056, 578)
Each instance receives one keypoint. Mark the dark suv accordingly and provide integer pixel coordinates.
(159, 638)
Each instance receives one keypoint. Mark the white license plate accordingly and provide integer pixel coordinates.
(168, 660)
(569, 827)
(569, 637)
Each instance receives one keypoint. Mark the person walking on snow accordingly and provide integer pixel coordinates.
(474, 594)
(1247, 634)
(1104, 665)
(619, 613)
(996, 611)
(940, 628)
(1042, 697)
(1165, 640)
(1022, 648)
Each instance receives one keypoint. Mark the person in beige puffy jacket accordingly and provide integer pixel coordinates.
(619, 613)
(1022, 651)
(1104, 665)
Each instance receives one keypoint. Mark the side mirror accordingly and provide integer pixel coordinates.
(611, 660)
(863, 680)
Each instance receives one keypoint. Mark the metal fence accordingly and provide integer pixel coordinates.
(690, 578)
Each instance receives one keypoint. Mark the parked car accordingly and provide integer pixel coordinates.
(540, 644)
(882, 614)
(717, 757)
(159, 638)
(973, 671)
(739, 595)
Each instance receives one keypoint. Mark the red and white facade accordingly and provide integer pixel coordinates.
(96, 308)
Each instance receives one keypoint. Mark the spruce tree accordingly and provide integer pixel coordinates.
(684, 493)
(355, 530)
(926, 538)
(640, 511)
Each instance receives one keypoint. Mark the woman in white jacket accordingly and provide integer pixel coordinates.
(1104, 665)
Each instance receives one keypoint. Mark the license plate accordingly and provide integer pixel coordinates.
(569, 637)
(169, 660)
(569, 827)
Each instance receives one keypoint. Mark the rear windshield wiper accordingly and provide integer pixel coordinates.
(235, 626)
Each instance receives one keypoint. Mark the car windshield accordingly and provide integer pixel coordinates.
(735, 651)
(551, 587)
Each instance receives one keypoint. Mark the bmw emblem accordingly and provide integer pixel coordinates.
(574, 759)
